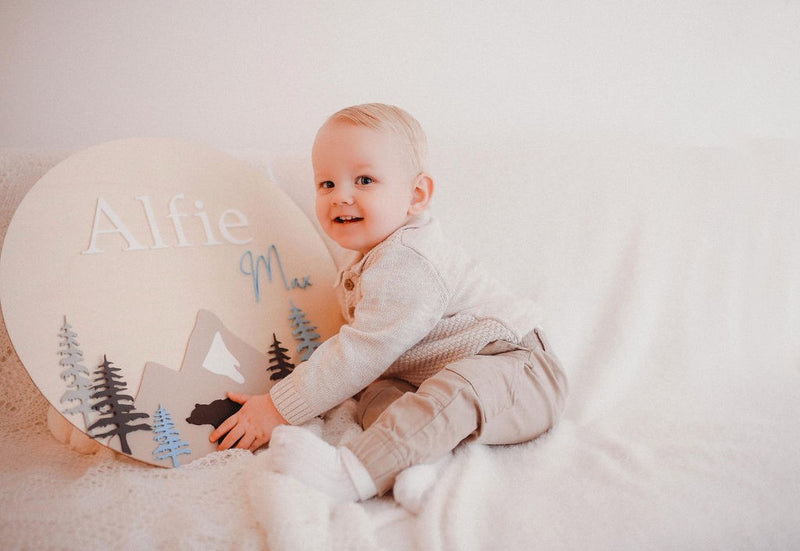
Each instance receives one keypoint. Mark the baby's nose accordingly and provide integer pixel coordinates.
(342, 197)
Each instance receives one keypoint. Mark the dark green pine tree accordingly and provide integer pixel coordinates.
(303, 332)
(168, 437)
(279, 360)
(116, 409)
(75, 374)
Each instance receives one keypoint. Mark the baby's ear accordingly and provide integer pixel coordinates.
(421, 194)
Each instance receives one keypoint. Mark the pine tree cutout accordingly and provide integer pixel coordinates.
(75, 374)
(303, 332)
(279, 360)
(116, 408)
(165, 433)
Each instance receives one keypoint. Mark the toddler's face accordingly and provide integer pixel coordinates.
(365, 184)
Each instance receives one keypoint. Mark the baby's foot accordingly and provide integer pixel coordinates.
(413, 484)
(335, 471)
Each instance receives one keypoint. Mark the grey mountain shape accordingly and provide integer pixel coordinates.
(180, 391)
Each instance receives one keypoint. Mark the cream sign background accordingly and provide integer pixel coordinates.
(130, 240)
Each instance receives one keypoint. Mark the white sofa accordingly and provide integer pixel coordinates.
(671, 279)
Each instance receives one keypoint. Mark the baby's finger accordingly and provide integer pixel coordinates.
(230, 440)
(245, 442)
(257, 443)
(225, 427)
(239, 398)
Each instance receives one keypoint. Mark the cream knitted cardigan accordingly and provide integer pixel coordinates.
(413, 304)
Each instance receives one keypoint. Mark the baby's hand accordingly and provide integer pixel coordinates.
(252, 425)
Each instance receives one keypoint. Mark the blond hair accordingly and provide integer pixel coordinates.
(380, 116)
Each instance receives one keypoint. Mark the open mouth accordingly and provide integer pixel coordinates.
(347, 219)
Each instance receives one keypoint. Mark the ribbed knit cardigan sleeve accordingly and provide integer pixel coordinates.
(402, 297)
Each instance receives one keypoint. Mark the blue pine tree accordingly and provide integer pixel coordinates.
(75, 374)
(168, 437)
(303, 332)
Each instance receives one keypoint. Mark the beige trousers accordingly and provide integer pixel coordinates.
(506, 394)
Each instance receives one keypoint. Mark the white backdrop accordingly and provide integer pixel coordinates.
(263, 75)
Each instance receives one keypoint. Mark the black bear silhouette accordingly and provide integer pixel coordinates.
(213, 414)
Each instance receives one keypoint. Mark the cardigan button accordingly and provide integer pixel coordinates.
(348, 284)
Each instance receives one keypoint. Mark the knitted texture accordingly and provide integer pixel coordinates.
(452, 339)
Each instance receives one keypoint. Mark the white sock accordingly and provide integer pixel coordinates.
(335, 471)
(413, 484)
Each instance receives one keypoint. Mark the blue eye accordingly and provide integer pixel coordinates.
(326, 185)
(364, 180)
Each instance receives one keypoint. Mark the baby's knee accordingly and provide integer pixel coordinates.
(447, 385)
(378, 396)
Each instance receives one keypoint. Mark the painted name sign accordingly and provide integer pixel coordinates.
(218, 298)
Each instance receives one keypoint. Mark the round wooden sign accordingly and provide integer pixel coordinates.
(142, 279)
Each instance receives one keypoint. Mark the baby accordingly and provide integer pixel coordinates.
(435, 352)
